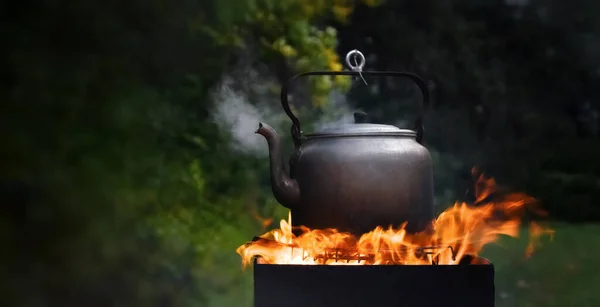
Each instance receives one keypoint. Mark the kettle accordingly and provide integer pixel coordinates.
(354, 177)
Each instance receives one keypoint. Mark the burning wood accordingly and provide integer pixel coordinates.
(459, 232)
(346, 255)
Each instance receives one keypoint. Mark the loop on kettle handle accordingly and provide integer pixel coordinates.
(296, 129)
(355, 60)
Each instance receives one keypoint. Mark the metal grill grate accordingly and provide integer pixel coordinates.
(385, 256)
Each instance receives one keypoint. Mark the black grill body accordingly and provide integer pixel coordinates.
(469, 285)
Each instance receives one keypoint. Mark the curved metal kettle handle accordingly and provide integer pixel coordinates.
(297, 131)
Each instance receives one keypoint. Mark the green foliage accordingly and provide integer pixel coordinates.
(138, 197)
(560, 273)
(287, 31)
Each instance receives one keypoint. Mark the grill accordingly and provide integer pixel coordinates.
(347, 256)
(342, 255)
(464, 285)
(386, 177)
(373, 286)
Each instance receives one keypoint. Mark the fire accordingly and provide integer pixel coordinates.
(459, 233)
(264, 222)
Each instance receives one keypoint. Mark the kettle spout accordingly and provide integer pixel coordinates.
(285, 189)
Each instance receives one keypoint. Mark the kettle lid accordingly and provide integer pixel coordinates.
(362, 127)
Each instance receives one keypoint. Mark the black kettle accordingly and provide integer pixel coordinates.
(354, 177)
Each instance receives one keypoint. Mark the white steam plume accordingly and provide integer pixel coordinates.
(338, 112)
(244, 98)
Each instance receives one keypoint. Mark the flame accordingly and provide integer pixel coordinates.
(263, 221)
(459, 233)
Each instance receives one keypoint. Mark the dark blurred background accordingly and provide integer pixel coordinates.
(130, 168)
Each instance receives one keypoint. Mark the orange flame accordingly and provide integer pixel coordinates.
(264, 222)
(460, 231)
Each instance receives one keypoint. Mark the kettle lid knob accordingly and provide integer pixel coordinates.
(360, 117)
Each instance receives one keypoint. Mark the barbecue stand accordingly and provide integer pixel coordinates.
(463, 285)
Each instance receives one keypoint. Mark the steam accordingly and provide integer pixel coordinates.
(240, 104)
(338, 112)
(249, 95)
